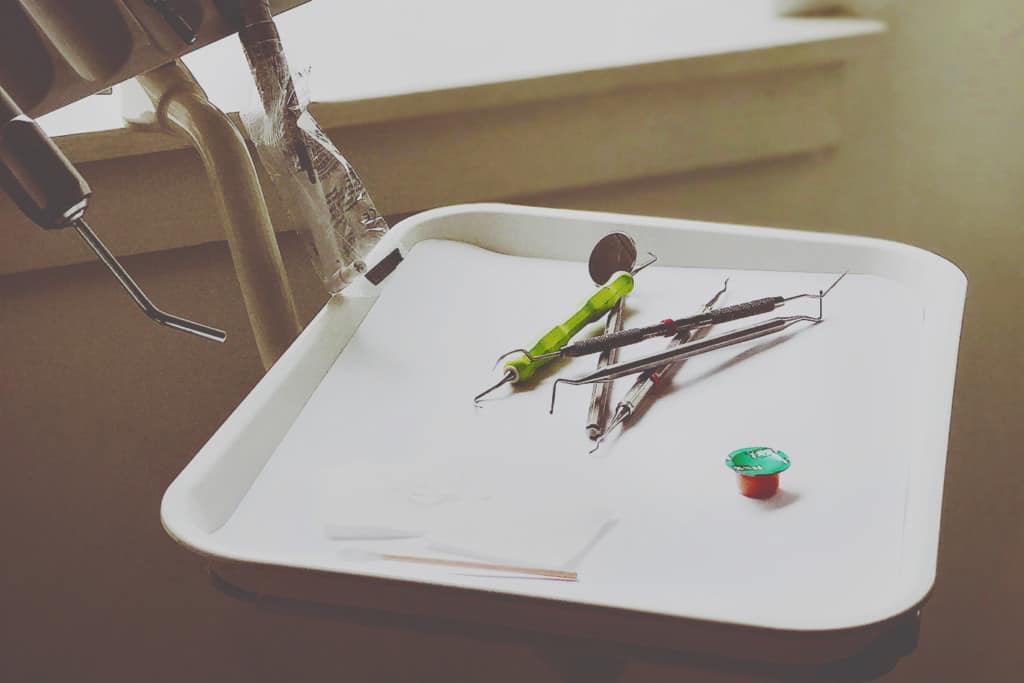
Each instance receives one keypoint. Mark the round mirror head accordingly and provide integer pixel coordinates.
(613, 252)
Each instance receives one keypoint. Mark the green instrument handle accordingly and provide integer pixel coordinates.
(600, 302)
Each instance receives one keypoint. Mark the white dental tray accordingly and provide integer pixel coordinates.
(861, 403)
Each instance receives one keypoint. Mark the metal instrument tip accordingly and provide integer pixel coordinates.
(621, 413)
(831, 286)
(649, 262)
(718, 295)
(509, 376)
(554, 388)
(821, 293)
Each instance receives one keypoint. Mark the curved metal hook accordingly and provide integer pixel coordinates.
(529, 356)
(644, 265)
(718, 295)
(509, 353)
(554, 388)
(510, 375)
(821, 294)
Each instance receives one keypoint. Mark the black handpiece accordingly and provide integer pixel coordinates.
(35, 173)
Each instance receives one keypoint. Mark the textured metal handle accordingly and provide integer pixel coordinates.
(743, 310)
(746, 309)
(585, 347)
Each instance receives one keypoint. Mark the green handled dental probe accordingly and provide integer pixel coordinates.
(521, 368)
(617, 259)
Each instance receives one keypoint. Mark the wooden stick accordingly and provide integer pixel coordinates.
(547, 573)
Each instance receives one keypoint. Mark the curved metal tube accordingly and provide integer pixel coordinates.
(182, 106)
(136, 293)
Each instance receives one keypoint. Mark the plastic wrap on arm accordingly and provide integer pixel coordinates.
(324, 196)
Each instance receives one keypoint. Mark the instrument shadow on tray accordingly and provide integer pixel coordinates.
(669, 387)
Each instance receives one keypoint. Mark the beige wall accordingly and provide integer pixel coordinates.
(100, 409)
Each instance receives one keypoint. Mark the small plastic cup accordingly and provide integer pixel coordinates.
(757, 469)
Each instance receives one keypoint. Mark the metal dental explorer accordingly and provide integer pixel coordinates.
(650, 378)
(669, 327)
(689, 350)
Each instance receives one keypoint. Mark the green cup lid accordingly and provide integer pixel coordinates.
(757, 461)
